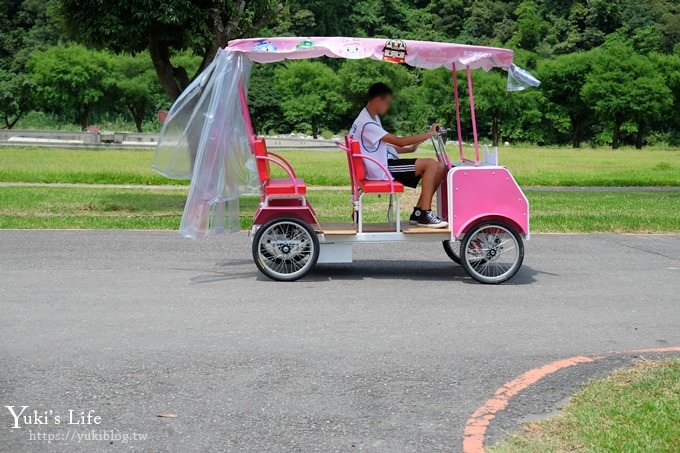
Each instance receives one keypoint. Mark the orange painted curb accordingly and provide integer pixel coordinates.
(478, 423)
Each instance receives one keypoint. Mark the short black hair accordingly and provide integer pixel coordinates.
(379, 89)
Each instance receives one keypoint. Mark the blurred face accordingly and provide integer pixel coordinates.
(381, 104)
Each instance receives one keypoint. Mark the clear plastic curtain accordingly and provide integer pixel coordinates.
(520, 79)
(205, 139)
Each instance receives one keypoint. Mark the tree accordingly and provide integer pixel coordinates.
(264, 101)
(163, 27)
(135, 85)
(437, 94)
(669, 28)
(70, 79)
(25, 26)
(16, 96)
(492, 99)
(668, 67)
(531, 27)
(311, 94)
(448, 17)
(654, 99)
(624, 86)
(561, 81)
(484, 18)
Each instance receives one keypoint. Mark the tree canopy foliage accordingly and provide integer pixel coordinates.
(610, 68)
(163, 27)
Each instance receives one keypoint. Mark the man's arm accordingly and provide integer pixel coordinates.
(404, 142)
(406, 149)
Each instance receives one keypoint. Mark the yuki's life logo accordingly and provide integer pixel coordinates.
(22, 416)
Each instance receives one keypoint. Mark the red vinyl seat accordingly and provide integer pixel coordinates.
(285, 187)
(292, 185)
(369, 185)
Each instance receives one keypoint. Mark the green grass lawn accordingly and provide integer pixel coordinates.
(530, 166)
(86, 166)
(52, 207)
(534, 166)
(634, 410)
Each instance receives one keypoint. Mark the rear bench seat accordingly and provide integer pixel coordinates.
(290, 186)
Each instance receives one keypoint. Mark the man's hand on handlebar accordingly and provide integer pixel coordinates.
(404, 142)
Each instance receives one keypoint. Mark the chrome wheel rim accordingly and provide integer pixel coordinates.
(286, 249)
(492, 252)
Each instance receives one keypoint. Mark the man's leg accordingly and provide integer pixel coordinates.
(432, 173)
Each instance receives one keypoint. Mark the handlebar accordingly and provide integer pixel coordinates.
(441, 131)
(439, 144)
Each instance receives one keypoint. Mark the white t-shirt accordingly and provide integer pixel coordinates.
(369, 132)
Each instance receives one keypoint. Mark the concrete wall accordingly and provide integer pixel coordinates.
(131, 139)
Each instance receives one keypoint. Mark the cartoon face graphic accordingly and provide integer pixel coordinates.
(353, 50)
(394, 51)
(264, 46)
(304, 45)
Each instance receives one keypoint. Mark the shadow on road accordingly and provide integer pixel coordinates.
(410, 270)
(360, 270)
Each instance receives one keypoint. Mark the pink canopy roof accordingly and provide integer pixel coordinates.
(421, 54)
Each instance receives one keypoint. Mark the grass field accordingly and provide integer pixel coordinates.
(50, 207)
(552, 211)
(530, 166)
(86, 166)
(634, 410)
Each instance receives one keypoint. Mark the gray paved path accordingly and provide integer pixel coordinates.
(392, 353)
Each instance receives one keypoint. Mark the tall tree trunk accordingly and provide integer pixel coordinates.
(138, 115)
(174, 80)
(617, 133)
(494, 129)
(315, 128)
(83, 116)
(575, 132)
(640, 134)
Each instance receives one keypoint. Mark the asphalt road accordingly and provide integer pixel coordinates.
(392, 353)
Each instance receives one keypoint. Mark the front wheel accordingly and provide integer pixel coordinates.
(285, 249)
(452, 250)
(492, 252)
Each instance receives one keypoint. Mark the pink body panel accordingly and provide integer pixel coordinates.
(286, 209)
(478, 193)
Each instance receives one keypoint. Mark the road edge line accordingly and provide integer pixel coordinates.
(477, 424)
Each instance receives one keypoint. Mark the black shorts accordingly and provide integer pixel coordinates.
(404, 171)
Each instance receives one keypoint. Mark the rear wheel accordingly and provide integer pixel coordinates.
(285, 249)
(492, 252)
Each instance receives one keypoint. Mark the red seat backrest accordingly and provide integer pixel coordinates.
(358, 162)
(262, 164)
(350, 161)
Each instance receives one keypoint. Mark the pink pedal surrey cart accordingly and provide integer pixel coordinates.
(208, 137)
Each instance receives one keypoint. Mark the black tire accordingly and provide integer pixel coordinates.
(452, 250)
(293, 257)
(483, 246)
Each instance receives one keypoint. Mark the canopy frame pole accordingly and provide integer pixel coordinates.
(243, 96)
(456, 100)
(472, 113)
